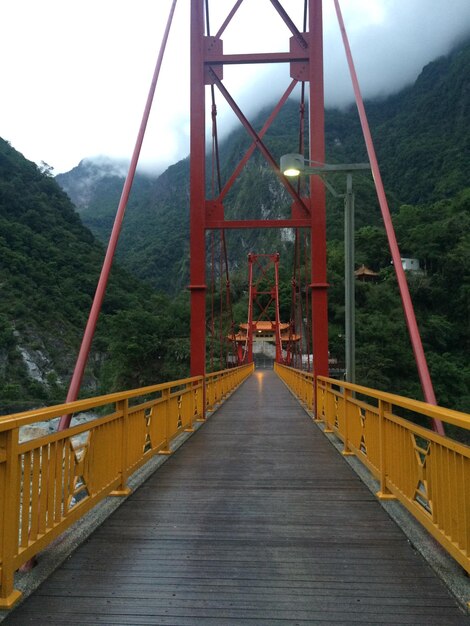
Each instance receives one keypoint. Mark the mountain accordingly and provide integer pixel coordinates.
(49, 267)
(82, 181)
(422, 141)
(95, 187)
(421, 134)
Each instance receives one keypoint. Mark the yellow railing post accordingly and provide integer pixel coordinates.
(384, 492)
(166, 420)
(216, 391)
(302, 387)
(122, 406)
(317, 386)
(201, 401)
(346, 449)
(191, 403)
(330, 401)
(9, 500)
(209, 383)
(220, 389)
(225, 379)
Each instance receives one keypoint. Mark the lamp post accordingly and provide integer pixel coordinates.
(349, 287)
(293, 165)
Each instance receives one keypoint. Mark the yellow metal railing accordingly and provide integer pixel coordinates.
(220, 384)
(428, 473)
(49, 482)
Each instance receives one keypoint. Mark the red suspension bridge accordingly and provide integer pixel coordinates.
(257, 519)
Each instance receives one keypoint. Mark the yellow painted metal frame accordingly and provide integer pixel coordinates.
(428, 473)
(220, 384)
(48, 483)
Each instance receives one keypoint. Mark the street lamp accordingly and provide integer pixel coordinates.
(293, 165)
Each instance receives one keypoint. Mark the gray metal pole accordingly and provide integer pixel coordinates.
(349, 282)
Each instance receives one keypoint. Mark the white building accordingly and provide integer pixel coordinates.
(410, 265)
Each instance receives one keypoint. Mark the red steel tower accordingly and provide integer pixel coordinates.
(303, 55)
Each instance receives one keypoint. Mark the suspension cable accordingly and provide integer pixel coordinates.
(290, 356)
(85, 347)
(298, 234)
(295, 347)
(302, 108)
(415, 337)
(212, 322)
(307, 302)
(301, 308)
(223, 243)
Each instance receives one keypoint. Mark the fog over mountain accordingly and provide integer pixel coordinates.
(88, 96)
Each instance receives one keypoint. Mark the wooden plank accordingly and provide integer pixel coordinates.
(256, 520)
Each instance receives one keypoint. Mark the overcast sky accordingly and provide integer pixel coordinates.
(75, 74)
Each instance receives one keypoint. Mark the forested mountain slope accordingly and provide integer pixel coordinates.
(49, 267)
(421, 134)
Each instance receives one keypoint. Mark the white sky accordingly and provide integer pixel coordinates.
(75, 74)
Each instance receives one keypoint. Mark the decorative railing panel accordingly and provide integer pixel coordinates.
(427, 472)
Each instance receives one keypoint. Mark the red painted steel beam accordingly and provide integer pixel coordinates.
(228, 19)
(259, 143)
(294, 223)
(197, 193)
(289, 23)
(215, 58)
(317, 194)
(264, 310)
(410, 317)
(228, 185)
(84, 352)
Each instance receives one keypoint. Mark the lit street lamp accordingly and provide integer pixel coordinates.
(293, 165)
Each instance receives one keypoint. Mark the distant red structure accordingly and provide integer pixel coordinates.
(263, 312)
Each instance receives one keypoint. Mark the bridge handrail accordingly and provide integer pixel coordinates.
(50, 481)
(450, 416)
(427, 472)
(80, 406)
(219, 384)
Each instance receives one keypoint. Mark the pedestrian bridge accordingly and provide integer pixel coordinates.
(256, 519)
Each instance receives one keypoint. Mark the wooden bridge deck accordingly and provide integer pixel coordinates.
(256, 520)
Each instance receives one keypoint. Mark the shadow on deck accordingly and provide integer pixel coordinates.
(256, 520)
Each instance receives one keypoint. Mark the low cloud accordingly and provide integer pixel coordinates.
(89, 98)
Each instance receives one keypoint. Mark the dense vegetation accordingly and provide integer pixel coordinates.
(154, 241)
(423, 143)
(51, 262)
(49, 266)
(439, 235)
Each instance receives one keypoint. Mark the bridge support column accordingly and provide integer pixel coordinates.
(197, 194)
(319, 284)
